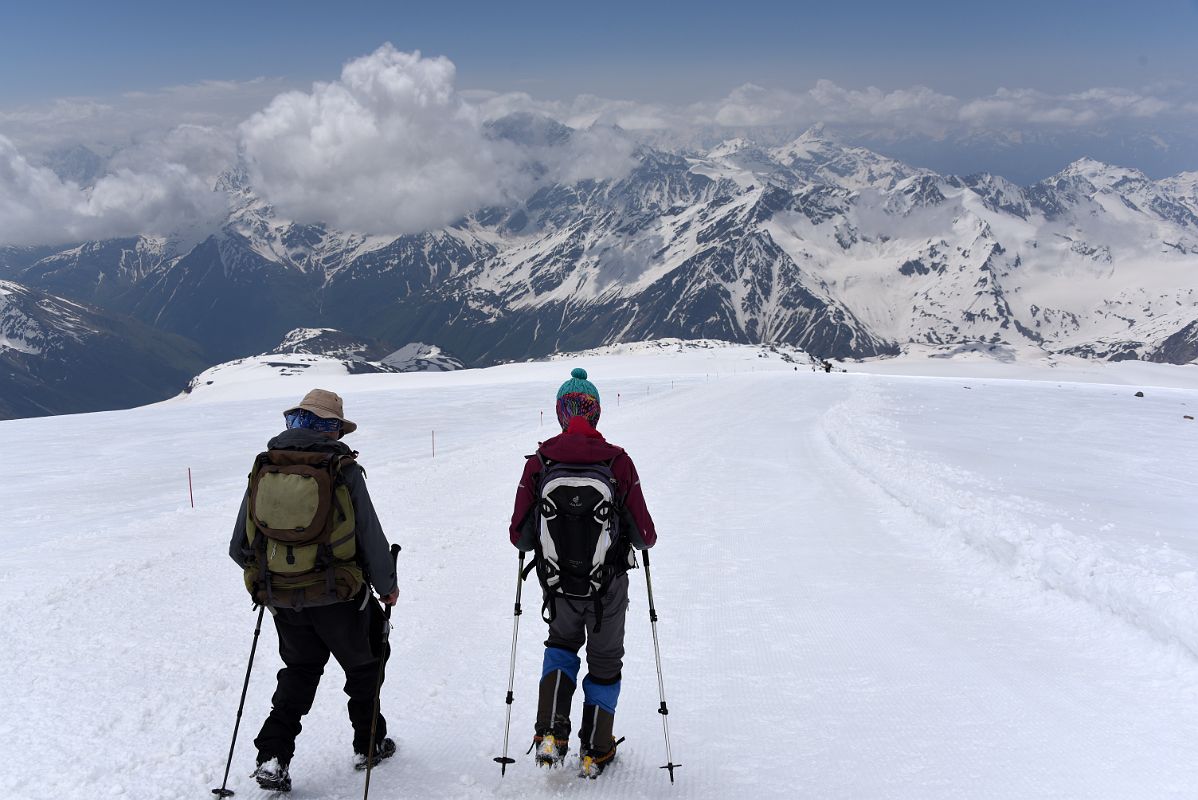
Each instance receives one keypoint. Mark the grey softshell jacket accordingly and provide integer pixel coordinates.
(374, 552)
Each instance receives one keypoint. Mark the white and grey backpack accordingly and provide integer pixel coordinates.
(579, 544)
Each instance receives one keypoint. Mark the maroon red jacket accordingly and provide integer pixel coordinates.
(582, 444)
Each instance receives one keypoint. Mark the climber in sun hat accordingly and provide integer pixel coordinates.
(311, 547)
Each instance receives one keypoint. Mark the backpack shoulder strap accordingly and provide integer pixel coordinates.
(539, 476)
(340, 461)
(611, 465)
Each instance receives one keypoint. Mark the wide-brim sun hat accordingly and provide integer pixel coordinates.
(326, 405)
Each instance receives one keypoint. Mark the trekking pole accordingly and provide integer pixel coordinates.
(503, 760)
(661, 689)
(384, 651)
(222, 791)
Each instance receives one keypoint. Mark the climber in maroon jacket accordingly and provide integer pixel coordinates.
(598, 624)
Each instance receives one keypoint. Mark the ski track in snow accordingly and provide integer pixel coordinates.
(1104, 556)
(860, 595)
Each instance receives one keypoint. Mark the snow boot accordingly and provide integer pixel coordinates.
(552, 739)
(598, 744)
(383, 749)
(272, 776)
(550, 750)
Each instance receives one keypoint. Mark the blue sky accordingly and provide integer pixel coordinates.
(676, 52)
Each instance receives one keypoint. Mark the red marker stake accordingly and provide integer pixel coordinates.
(190, 492)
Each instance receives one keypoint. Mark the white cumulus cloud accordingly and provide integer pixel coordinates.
(1029, 107)
(392, 147)
(37, 207)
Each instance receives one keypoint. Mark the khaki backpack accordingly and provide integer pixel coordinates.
(300, 526)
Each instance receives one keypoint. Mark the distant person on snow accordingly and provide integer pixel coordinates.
(310, 543)
(580, 507)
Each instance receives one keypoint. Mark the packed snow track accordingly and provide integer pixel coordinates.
(869, 586)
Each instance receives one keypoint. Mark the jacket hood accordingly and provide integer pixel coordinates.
(580, 444)
(305, 439)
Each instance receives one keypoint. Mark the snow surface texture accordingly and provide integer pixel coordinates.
(869, 585)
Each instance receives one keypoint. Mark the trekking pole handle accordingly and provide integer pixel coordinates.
(395, 568)
(649, 585)
(519, 584)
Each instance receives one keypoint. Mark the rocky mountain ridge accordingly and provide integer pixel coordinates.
(833, 249)
(58, 356)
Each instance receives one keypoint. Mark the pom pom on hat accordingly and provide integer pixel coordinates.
(578, 372)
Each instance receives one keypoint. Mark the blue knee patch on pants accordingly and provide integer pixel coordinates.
(559, 660)
(603, 695)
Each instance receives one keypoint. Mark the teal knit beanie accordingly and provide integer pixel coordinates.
(578, 384)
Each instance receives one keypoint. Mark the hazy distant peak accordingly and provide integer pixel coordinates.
(729, 147)
(1100, 173)
(233, 180)
(77, 164)
(530, 129)
(1183, 185)
(811, 144)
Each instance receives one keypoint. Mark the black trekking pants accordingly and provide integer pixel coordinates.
(306, 639)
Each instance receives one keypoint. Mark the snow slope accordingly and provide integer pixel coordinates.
(870, 585)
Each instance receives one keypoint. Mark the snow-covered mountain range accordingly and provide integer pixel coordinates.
(833, 249)
(58, 356)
